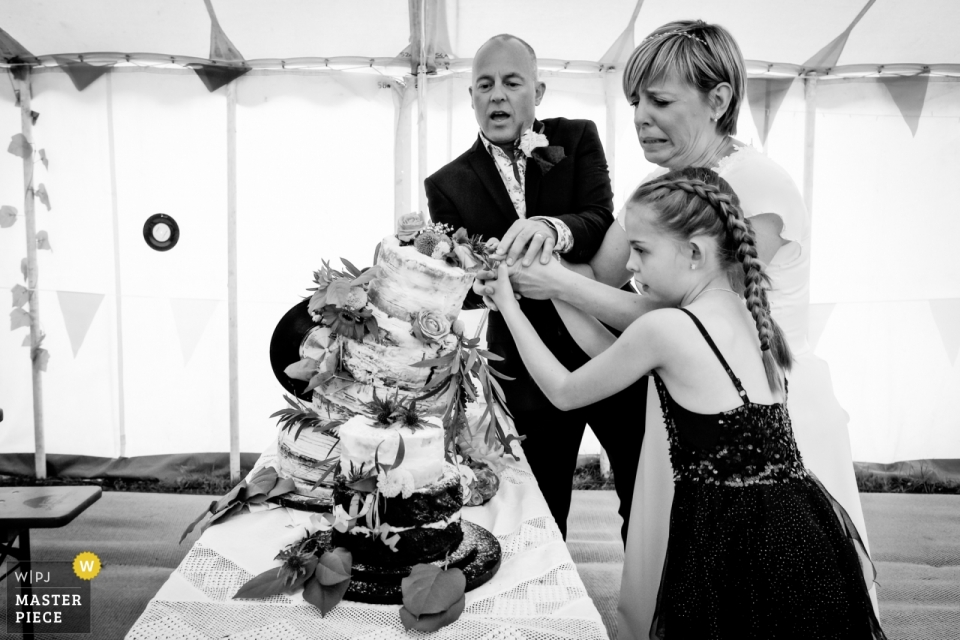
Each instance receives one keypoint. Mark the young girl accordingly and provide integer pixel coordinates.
(757, 548)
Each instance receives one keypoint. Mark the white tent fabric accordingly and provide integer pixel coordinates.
(328, 152)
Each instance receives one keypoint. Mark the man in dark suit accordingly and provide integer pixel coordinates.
(555, 197)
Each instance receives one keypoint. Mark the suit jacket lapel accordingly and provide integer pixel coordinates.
(532, 195)
(483, 164)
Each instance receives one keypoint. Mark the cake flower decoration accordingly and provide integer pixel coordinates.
(408, 226)
(430, 326)
(395, 482)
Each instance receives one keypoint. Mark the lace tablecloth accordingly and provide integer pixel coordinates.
(536, 594)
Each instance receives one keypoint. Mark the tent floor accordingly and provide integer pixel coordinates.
(913, 539)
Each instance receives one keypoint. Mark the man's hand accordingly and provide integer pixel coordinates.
(527, 237)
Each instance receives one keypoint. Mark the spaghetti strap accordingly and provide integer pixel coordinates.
(716, 351)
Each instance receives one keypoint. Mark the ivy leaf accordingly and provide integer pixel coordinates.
(365, 277)
(429, 623)
(335, 567)
(302, 369)
(193, 524)
(21, 295)
(330, 580)
(432, 597)
(19, 318)
(8, 216)
(41, 357)
(43, 241)
(352, 270)
(269, 583)
(43, 158)
(429, 589)
(43, 196)
(285, 485)
(19, 146)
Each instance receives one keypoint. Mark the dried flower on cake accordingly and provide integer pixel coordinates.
(356, 299)
(430, 326)
(426, 242)
(408, 226)
(440, 249)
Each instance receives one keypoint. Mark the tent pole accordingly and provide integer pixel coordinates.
(117, 283)
(810, 133)
(611, 94)
(422, 108)
(232, 280)
(36, 335)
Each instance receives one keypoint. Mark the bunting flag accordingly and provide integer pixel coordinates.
(827, 57)
(946, 313)
(80, 73)
(78, 310)
(191, 318)
(12, 51)
(215, 76)
(909, 94)
(765, 96)
(619, 52)
(818, 317)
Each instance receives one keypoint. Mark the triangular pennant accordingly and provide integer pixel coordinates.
(946, 313)
(215, 76)
(220, 46)
(819, 316)
(13, 51)
(909, 94)
(191, 317)
(80, 73)
(765, 96)
(827, 57)
(78, 311)
(619, 52)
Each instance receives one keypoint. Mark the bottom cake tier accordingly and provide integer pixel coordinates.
(427, 523)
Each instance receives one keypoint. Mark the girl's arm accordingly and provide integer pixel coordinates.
(635, 353)
(589, 334)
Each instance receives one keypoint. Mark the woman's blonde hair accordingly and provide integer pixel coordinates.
(703, 55)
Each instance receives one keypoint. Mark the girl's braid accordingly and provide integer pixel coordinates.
(742, 234)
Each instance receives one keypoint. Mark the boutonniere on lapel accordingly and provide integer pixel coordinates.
(535, 145)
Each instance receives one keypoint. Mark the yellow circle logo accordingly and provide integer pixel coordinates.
(86, 565)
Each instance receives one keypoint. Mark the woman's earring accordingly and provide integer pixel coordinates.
(693, 266)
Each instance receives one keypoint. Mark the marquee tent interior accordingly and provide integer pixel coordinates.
(278, 134)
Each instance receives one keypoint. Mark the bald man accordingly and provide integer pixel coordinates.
(557, 198)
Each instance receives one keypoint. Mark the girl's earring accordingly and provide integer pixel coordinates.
(693, 266)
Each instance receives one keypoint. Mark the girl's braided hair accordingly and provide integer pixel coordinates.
(695, 201)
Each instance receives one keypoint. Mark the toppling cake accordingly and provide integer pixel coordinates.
(413, 514)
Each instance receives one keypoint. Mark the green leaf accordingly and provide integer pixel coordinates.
(19, 318)
(43, 196)
(435, 362)
(267, 584)
(19, 146)
(21, 295)
(303, 369)
(335, 567)
(431, 622)
(428, 589)
(324, 598)
(285, 485)
(222, 516)
(365, 277)
(366, 485)
(489, 355)
(193, 524)
(352, 270)
(42, 358)
(8, 216)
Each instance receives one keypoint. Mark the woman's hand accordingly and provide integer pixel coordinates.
(500, 289)
(539, 281)
(483, 285)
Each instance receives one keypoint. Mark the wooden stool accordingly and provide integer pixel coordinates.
(25, 508)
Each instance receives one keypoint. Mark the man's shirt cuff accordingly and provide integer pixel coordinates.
(564, 237)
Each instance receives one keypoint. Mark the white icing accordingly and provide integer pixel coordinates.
(423, 448)
(410, 282)
(439, 524)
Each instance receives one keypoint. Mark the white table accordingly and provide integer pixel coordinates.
(537, 592)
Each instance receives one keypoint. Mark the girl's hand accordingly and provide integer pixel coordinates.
(500, 289)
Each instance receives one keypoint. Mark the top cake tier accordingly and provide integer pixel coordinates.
(410, 282)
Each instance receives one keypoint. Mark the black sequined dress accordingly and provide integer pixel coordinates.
(758, 549)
